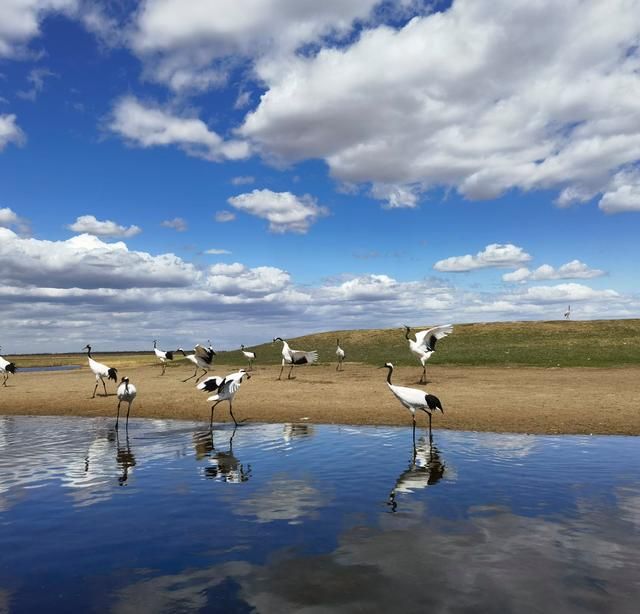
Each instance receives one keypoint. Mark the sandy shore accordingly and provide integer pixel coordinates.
(518, 400)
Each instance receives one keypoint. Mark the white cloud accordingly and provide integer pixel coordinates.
(84, 261)
(20, 21)
(243, 180)
(623, 193)
(285, 211)
(225, 216)
(90, 225)
(10, 219)
(10, 132)
(36, 79)
(236, 279)
(571, 270)
(177, 223)
(494, 255)
(185, 45)
(217, 252)
(467, 98)
(563, 293)
(151, 126)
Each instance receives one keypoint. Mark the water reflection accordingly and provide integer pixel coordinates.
(224, 466)
(426, 468)
(124, 458)
(293, 430)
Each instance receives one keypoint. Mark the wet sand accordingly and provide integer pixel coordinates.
(517, 400)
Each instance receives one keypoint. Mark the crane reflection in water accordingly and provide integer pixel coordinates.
(124, 458)
(426, 468)
(223, 464)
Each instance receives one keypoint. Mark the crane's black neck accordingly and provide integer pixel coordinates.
(406, 332)
(155, 344)
(389, 375)
(89, 351)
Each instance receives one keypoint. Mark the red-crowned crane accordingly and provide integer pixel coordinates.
(126, 392)
(295, 357)
(425, 344)
(100, 371)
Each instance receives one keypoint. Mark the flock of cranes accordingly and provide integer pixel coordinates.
(225, 388)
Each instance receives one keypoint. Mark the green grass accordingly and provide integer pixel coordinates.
(600, 343)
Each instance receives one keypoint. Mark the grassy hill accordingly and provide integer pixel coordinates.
(600, 343)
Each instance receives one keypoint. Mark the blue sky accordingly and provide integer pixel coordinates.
(237, 170)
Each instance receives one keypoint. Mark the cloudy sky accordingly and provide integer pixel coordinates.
(239, 169)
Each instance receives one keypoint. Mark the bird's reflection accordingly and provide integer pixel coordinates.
(124, 458)
(291, 430)
(224, 466)
(425, 469)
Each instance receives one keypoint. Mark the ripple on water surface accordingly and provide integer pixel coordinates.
(276, 518)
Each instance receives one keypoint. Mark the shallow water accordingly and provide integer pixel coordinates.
(56, 368)
(281, 518)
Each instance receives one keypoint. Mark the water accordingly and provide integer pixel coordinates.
(282, 518)
(56, 368)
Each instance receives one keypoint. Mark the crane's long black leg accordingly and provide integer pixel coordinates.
(127, 422)
(281, 370)
(196, 373)
(430, 436)
(290, 371)
(231, 412)
(94, 391)
(204, 372)
(118, 415)
(414, 435)
(164, 367)
(212, 408)
(104, 386)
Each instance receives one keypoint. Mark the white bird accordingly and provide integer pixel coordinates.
(100, 371)
(6, 367)
(250, 356)
(339, 355)
(161, 355)
(567, 313)
(126, 392)
(202, 358)
(295, 357)
(414, 399)
(225, 389)
(425, 344)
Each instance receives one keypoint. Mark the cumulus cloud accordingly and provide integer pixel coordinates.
(84, 261)
(145, 125)
(571, 270)
(494, 255)
(285, 211)
(185, 45)
(623, 193)
(563, 293)
(177, 223)
(466, 98)
(224, 216)
(234, 279)
(90, 225)
(10, 132)
(10, 219)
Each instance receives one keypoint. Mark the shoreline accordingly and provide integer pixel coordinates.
(534, 400)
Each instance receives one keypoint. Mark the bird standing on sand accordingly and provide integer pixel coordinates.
(295, 357)
(225, 389)
(339, 355)
(126, 392)
(100, 371)
(161, 355)
(414, 399)
(202, 358)
(250, 356)
(6, 367)
(425, 344)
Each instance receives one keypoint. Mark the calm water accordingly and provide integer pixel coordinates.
(56, 368)
(281, 518)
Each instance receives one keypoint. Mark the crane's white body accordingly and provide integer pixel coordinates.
(295, 357)
(126, 392)
(100, 371)
(424, 344)
(414, 400)
(6, 367)
(202, 358)
(162, 356)
(225, 389)
(250, 356)
(339, 356)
